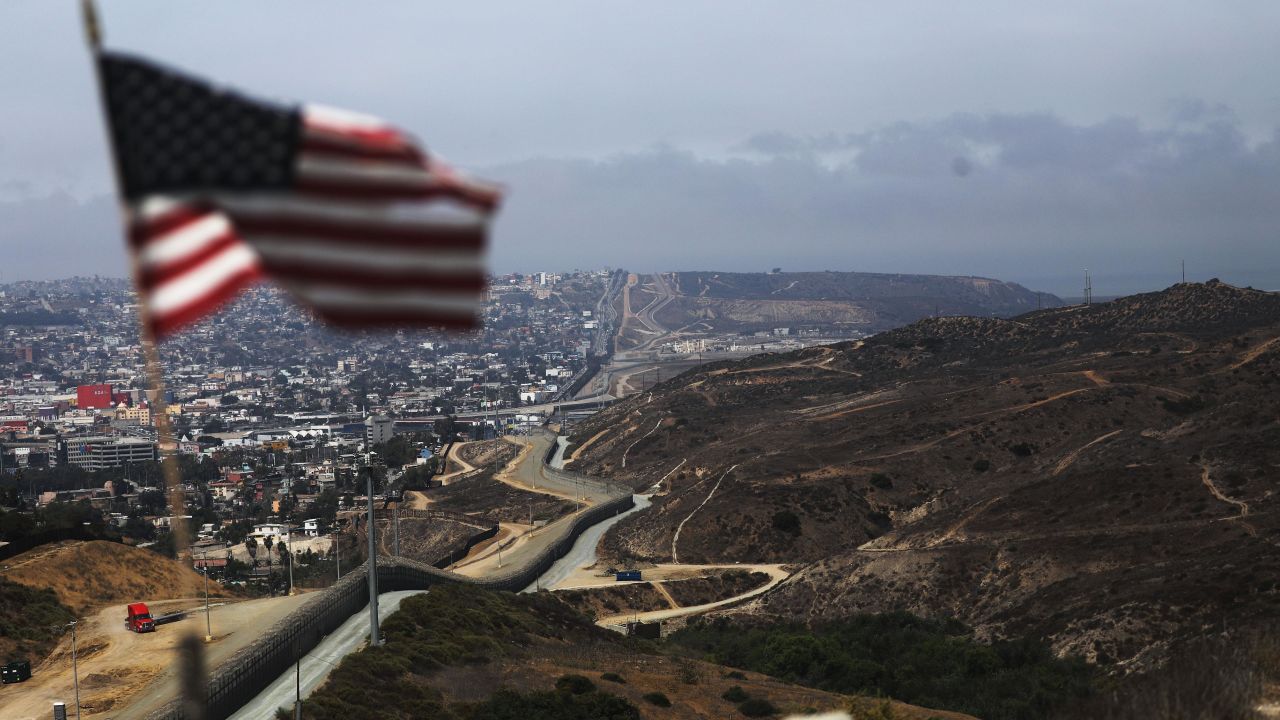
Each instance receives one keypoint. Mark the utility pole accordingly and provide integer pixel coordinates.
(75, 667)
(337, 554)
(1184, 272)
(396, 530)
(373, 572)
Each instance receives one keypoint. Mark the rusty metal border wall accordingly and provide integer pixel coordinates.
(248, 672)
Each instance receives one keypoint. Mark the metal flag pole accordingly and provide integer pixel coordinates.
(151, 354)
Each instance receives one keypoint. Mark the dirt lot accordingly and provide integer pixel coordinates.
(490, 501)
(125, 674)
(488, 453)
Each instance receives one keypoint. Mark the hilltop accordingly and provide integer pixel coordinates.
(870, 301)
(1095, 476)
(89, 575)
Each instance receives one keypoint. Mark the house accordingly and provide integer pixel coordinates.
(275, 531)
(224, 490)
(312, 527)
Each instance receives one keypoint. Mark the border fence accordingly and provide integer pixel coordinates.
(249, 671)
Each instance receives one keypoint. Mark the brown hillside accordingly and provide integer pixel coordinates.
(1103, 477)
(90, 575)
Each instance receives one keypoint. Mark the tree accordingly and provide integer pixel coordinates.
(267, 542)
(16, 525)
(152, 501)
(251, 544)
(230, 399)
(326, 506)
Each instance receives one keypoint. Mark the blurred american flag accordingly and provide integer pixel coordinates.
(344, 211)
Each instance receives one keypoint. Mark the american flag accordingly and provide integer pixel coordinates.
(344, 211)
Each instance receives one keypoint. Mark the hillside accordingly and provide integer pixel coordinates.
(88, 575)
(871, 301)
(1101, 477)
(31, 621)
(461, 653)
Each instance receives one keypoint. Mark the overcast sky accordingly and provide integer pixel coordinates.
(1018, 140)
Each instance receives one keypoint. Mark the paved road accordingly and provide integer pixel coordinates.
(527, 472)
(317, 664)
(583, 552)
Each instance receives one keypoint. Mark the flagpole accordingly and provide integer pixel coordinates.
(151, 354)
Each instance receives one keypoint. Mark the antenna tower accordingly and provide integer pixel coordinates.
(1088, 287)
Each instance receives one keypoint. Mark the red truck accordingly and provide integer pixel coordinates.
(139, 619)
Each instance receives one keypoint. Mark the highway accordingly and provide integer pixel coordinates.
(315, 665)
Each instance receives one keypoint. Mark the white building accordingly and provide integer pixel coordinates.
(275, 531)
(378, 429)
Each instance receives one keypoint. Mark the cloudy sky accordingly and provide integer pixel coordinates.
(1018, 140)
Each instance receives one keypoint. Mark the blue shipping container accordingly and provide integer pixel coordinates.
(627, 575)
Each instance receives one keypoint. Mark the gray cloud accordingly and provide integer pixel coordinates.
(1043, 198)
(1118, 135)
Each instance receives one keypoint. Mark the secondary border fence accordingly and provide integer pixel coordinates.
(249, 671)
(610, 487)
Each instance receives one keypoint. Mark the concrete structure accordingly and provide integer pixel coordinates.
(99, 453)
(378, 429)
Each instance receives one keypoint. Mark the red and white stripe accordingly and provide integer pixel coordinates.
(374, 232)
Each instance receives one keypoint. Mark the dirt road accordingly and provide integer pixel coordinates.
(775, 572)
(128, 675)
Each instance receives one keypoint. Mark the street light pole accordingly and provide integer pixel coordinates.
(373, 571)
(208, 624)
(288, 548)
(337, 555)
(75, 667)
(297, 680)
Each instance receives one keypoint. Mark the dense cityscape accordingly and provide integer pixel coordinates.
(274, 416)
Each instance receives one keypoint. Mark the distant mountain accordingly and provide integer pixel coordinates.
(1100, 476)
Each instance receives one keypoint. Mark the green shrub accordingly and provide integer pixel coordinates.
(927, 662)
(1184, 406)
(882, 481)
(787, 522)
(575, 684)
(757, 707)
(508, 705)
(613, 677)
(657, 698)
(735, 694)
